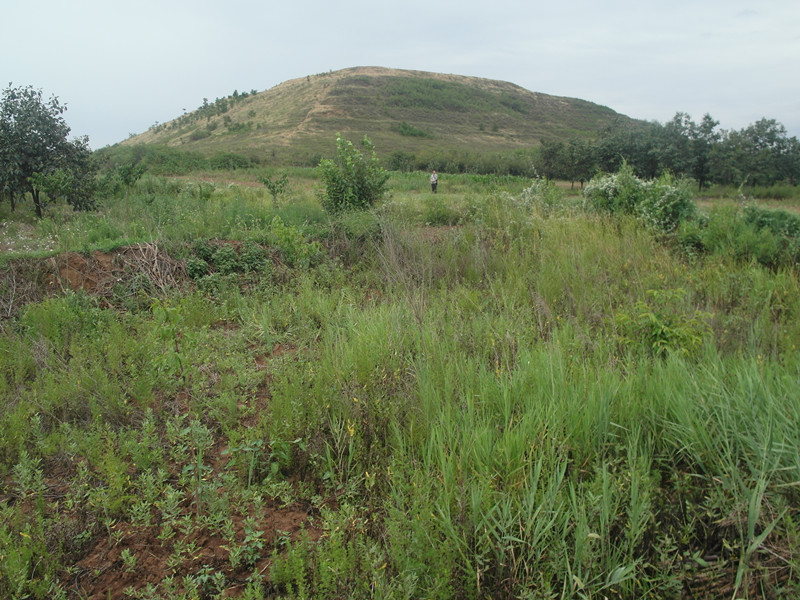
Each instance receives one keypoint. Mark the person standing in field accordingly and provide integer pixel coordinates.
(434, 181)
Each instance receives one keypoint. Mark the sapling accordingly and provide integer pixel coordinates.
(276, 186)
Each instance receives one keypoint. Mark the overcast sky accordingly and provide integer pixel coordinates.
(122, 66)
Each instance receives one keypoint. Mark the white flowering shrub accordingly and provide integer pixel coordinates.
(543, 194)
(661, 204)
(666, 204)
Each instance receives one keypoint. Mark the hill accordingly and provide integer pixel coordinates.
(400, 110)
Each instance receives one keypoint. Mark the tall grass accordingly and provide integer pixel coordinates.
(531, 402)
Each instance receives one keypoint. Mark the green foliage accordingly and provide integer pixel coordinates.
(661, 205)
(130, 173)
(216, 267)
(295, 249)
(196, 267)
(226, 259)
(768, 237)
(229, 161)
(663, 326)
(534, 401)
(543, 194)
(438, 211)
(352, 180)
(277, 186)
(400, 160)
(409, 130)
(35, 155)
(667, 204)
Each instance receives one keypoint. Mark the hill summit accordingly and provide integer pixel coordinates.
(400, 110)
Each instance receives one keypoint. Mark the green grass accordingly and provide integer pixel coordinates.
(484, 393)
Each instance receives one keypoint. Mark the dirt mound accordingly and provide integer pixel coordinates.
(104, 274)
(100, 271)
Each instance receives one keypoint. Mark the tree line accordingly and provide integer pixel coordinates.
(761, 154)
(38, 160)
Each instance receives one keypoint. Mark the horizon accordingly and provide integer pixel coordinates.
(122, 68)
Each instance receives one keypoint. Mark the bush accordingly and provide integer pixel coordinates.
(226, 260)
(543, 194)
(666, 204)
(409, 130)
(616, 193)
(352, 180)
(196, 267)
(229, 161)
(663, 325)
(770, 238)
(661, 205)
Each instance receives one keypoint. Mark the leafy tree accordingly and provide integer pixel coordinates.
(35, 154)
(686, 147)
(765, 144)
(634, 144)
(552, 161)
(352, 180)
(703, 141)
(675, 148)
(581, 161)
(760, 154)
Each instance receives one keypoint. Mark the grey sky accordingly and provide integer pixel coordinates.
(121, 67)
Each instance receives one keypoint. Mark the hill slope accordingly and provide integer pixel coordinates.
(404, 110)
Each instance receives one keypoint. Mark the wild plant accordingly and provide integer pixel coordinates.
(663, 326)
(166, 319)
(129, 560)
(289, 568)
(543, 195)
(295, 249)
(248, 551)
(28, 475)
(661, 205)
(353, 180)
(275, 184)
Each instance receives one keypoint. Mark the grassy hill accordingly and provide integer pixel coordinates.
(400, 110)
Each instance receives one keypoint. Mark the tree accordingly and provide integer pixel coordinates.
(765, 144)
(352, 180)
(704, 139)
(634, 144)
(581, 166)
(35, 154)
(276, 186)
(552, 162)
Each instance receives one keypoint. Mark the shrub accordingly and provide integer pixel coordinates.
(276, 186)
(543, 194)
(229, 161)
(196, 267)
(226, 260)
(352, 180)
(409, 130)
(661, 205)
(295, 250)
(770, 238)
(663, 325)
(666, 204)
(615, 193)
(253, 258)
